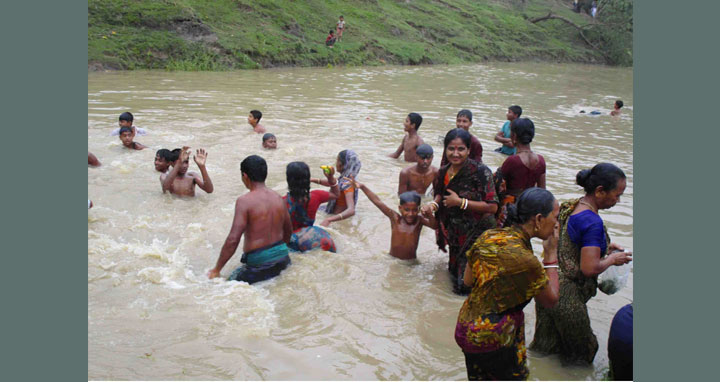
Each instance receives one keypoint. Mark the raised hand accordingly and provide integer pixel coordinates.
(200, 157)
(354, 182)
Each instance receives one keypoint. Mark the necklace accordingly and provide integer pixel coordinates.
(589, 205)
(523, 151)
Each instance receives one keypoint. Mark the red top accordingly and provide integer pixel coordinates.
(519, 177)
(317, 197)
(475, 151)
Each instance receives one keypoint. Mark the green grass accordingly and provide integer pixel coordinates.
(248, 34)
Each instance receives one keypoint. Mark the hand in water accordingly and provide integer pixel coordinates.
(213, 273)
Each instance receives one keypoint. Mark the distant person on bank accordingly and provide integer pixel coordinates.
(262, 217)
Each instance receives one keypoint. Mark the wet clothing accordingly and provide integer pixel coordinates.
(262, 263)
(506, 133)
(475, 151)
(565, 329)
(490, 328)
(518, 177)
(306, 236)
(351, 169)
(459, 228)
(620, 344)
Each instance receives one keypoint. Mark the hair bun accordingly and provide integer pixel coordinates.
(582, 177)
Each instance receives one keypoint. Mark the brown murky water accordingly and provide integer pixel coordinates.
(355, 315)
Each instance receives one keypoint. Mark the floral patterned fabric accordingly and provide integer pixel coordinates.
(507, 276)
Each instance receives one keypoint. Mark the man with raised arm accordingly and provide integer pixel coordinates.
(262, 216)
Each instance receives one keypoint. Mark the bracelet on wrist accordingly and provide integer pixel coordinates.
(549, 262)
(551, 266)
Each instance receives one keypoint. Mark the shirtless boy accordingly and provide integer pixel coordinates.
(406, 225)
(126, 137)
(616, 108)
(262, 216)
(181, 182)
(162, 160)
(254, 121)
(419, 177)
(126, 120)
(411, 140)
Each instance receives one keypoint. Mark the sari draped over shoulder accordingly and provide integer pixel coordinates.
(459, 228)
(507, 276)
(565, 329)
(351, 169)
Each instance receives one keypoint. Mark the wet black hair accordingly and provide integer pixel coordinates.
(268, 136)
(424, 150)
(125, 129)
(126, 116)
(298, 180)
(606, 175)
(256, 114)
(255, 168)
(164, 154)
(457, 133)
(464, 113)
(532, 201)
(415, 119)
(410, 197)
(619, 104)
(516, 109)
(174, 155)
(524, 129)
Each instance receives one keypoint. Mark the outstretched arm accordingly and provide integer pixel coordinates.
(233, 239)
(428, 219)
(374, 199)
(205, 183)
(403, 182)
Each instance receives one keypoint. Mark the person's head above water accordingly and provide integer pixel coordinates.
(298, 180)
(537, 208)
(619, 104)
(463, 119)
(126, 136)
(126, 119)
(425, 155)
(409, 206)
(514, 112)
(254, 117)
(269, 141)
(162, 161)
(413, 121)
(605, 182)
(523, 129)
(254, 168)
(348, 163)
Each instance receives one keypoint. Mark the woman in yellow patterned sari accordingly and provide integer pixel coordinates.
(504, 275)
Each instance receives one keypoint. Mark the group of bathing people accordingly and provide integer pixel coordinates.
(485, 221)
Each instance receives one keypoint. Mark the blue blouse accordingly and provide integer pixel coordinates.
(586, 230)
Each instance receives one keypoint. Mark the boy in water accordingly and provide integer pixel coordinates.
(181, 182)
(269, 141)
(126, 120)
(503, 136)
(418, 177)
(262, 216)
(406, 225)
(411, 140)
(254, 121)
(126, 137)
(618, 104)
(162, 160)
(464, 121)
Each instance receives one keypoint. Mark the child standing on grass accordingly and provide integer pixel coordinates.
(406, 225)
(340, 27)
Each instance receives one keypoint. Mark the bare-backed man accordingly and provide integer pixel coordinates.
(262, 216)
